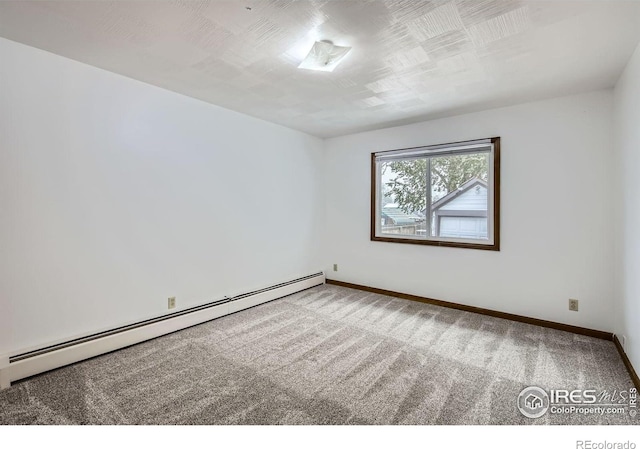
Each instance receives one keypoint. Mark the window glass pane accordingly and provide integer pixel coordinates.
(459, 192)
(438, 195)
(403, 197)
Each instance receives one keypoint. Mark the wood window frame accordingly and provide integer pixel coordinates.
(495, 246)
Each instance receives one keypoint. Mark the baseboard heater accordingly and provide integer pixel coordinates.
(45, 359)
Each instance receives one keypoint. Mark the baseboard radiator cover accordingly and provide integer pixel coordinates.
(39, 361)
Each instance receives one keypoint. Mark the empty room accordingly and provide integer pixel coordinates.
(279, 212)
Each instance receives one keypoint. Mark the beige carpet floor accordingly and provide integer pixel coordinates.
(327, 355)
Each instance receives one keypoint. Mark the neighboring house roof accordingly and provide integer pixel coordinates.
(448, 199)
(398, 216)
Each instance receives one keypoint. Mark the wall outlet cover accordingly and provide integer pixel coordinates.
(574, 304)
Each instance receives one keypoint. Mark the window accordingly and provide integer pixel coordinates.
(444, 195)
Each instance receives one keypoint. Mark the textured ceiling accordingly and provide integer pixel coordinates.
(411, 60)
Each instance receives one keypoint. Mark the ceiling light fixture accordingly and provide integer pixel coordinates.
(324, 56)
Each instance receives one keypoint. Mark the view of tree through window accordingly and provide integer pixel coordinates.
(436, 193)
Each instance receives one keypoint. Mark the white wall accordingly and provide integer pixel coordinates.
(116, 195)
(627, 145)
(556, 210)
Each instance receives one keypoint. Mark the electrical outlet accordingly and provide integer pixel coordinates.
(172, 302)
(624, 341)
(335, 267)
(573, 304)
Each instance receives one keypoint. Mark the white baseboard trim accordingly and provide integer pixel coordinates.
(4, 379)
(10, 371)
